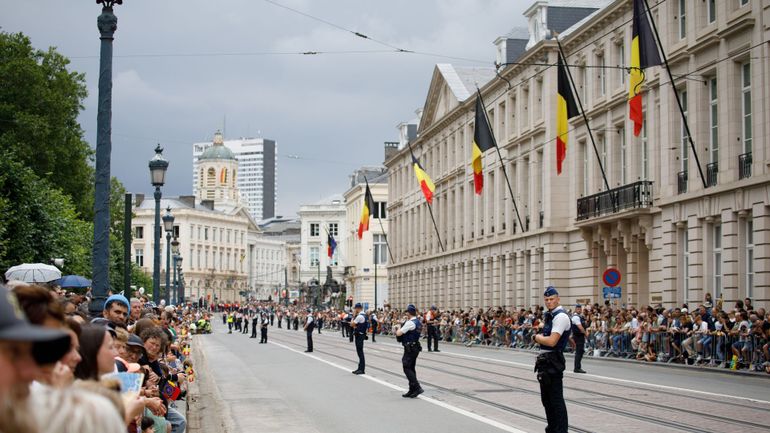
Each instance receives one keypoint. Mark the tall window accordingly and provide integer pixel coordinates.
(623, 168)
(749, 258)
(603, 150)
(138, 232)
(584, 151)
(379, 210)
(139, 257)
(645, 153)
(380, 250)
(314, 257)
(206, 234)
(717, 242)
(334, 229)
(601, 75)
(712, 4)
(686, 265)
(685, 153)
(744, 2)
(714, 121)
(746, 110)
(682, 19)
(314, 229)
(622, 62)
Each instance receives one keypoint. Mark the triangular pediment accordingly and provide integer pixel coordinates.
(449, 87)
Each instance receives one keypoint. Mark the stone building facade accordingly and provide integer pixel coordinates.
(672, 239)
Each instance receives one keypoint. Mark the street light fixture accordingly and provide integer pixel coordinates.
(158, 166)
(174, 259)
(180, 282)
(168, 225)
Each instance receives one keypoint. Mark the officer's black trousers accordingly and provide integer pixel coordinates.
(360, 351)
(409, 361)
(350, 333)
(432, 337)
(263, 335)
(309, 339)
(580, 348)
(552, 397)
(374, 331)
(320, 325)
(254, 330)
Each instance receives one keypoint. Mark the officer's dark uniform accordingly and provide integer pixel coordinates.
(374, 326)
(254, 327)
(359, 334)
(550, 366)
(433, 331)
(309, 326)
(263, 330)
(411, 342)
(580, 342)
(245, 324)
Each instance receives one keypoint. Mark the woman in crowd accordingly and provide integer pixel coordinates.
(97, 351)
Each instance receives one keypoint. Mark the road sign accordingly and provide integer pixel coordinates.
(612, 292)
(611, 277)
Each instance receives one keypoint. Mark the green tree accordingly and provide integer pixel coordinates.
(40, 100)
(38, 222)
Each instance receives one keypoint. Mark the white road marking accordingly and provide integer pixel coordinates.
(578, 375)
(433, 401)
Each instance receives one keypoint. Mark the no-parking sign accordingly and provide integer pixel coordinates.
(611, 277)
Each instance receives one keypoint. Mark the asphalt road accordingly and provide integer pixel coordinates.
(277, 387)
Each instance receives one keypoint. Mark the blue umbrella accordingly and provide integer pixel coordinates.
(73, 281)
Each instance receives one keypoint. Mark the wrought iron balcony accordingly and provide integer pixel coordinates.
(744, 165)
(636, 195)
(712, 171)
(681, 182)
(542, 219)
(526, 224)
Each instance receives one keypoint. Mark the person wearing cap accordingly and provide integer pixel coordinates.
(309, 326)
(550, 362)
(409, 336)
(263, 328)
(116, 310)
(360, 325)
(430, 320)
(374, 323)
(254, 323)
(578, 330)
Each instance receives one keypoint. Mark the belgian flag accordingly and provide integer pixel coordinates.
(366, 211)
(644, 53)
(426, 185)
(331, 245)
(483, 140)
(565, 110)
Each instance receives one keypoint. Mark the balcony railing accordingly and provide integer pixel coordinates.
(637, 195)
(542, 219)
(526, 224)
(712, 171)
(681, 182)
(744, 165)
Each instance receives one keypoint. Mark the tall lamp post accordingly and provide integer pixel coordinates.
(107, 24)
(158, 167)
(168, 225)
(180, 282)
(174, 259)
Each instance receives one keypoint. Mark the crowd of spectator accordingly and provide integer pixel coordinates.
(62, 370)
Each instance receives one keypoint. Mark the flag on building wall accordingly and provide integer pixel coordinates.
(426, 185)
(483, 140)
(366, 212)
(566, 108)
(644, 53)
(331, 245)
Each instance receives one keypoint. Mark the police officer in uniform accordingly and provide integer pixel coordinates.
(579, 337)
(373, 321)
(309, 326)
(550, 361)
(360, 326)
(409, 336)
(254, 327)
(245, 324)
(263, 329)
(430, 320)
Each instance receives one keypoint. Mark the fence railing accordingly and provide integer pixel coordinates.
(636, 195)
(744, 165)
(712, 173)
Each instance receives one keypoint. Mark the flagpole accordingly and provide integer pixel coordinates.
(502, 164)
(585, 119)
(430, 209)
(676, 95)
(387, 244)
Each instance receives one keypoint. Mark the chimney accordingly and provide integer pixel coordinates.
(391, 148)
(138, 199)
(208, 204)
(188, 200)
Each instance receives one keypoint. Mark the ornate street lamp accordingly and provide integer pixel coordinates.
(180, 282)
(107, 23)
(174, 259)
(158, 167)
(168, 225)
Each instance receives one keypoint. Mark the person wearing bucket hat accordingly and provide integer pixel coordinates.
(550, 361)
(24, 347)
(409, 336)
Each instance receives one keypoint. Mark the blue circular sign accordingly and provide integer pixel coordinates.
(611, 277)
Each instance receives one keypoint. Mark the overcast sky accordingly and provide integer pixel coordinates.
(325, 108)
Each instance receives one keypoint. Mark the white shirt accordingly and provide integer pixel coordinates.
(360, 318)
(309, 319)
(561, 322)
(576, 320)
(408, 326)
(374, 317)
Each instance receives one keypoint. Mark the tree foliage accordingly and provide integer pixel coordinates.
(40, 100)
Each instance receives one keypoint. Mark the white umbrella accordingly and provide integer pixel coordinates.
(33, 273)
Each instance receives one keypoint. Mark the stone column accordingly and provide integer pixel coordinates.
(761, 222)
(697, 259)
(731, 270)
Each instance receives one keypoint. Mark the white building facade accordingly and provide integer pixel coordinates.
(268, 267)
(317, 220)
(367, 258)
(672, 239)
(256, 180)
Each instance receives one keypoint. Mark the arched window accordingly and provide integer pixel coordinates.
(223, 176)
